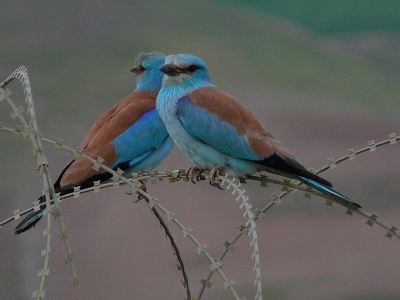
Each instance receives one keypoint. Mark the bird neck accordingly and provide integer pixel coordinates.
(150, 83)
(171, 91)
(180, 87)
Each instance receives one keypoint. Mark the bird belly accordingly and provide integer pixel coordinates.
(205, 156)
(202, 155)
(153, 160)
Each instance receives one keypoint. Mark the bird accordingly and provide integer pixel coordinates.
(129, 136)
(218, 133)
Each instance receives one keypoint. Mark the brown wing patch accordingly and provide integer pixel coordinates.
(98, 141)
(227, 108)
(278, 147)
(81, 169)
(119, 118)
(230, 110)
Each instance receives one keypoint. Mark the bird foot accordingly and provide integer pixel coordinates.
(143, 188)
(194, 173)
(214, 173)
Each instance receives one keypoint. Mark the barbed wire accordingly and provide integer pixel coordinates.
(176, 175)
(175, 248)
(135, 181)
(116, 180)
(31, 129)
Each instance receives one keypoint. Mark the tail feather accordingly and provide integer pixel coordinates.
(330, 192)
(30, 221)
(34, 217)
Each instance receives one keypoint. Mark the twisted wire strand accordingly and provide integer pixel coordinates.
(31, 130)
(134, 184)
(231, 182)
(289, 186)
(173, 176)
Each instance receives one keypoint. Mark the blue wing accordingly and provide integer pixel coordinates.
(142, 146)
(138, 141)
(224, 136)
(207, 127)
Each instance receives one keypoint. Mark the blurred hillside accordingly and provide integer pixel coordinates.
(84, 46)
(335, 17)
(322, 76)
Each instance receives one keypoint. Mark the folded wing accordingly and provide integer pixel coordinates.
(108, 134)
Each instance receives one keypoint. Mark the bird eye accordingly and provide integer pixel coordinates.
(192, 68)
(138, 70)
(141, 69)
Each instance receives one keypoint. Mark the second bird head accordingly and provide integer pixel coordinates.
(147, 68)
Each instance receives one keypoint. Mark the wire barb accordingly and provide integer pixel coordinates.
(30, 129)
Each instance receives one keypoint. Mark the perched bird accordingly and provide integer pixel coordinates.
(218, 133)
(130, 136)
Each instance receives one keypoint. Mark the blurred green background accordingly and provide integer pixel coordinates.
(335, 17)
(322, 76)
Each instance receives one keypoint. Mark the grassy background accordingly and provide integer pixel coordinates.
(335, 17)
(322, 76)
(242, 44)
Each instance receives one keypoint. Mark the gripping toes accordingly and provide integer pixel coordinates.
(143, 187)
(194, 173)
(214, 173)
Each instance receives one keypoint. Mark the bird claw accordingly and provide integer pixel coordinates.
(214, 173)
(194, 173)
(143, 188)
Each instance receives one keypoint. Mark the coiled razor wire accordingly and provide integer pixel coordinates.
(135, 182)
(117, 179)
(31, 129)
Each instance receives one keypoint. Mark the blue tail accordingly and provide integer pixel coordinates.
(330, 192)
(30, 221)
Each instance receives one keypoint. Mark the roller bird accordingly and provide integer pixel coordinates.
(129, 136)
(218, 133)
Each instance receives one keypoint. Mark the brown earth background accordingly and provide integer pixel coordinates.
(320, 95)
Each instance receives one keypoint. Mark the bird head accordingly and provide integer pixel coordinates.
(185, 68)
(147, 68)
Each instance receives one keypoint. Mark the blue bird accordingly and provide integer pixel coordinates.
(130, 136)
(218, 133)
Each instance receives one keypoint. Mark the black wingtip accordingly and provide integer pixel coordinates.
(29, 222)
(291, 167)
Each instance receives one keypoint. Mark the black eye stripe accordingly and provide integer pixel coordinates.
(190, 69)
(193, 68)
(138, 70)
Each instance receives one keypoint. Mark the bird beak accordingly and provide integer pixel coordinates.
(169, 69)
